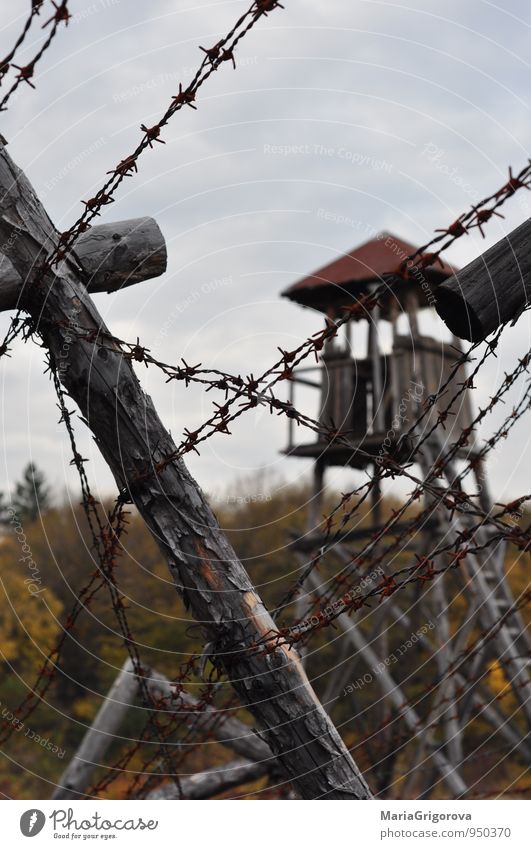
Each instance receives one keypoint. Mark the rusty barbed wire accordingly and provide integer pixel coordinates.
(464, 503)
(251, 392)
(512, 418)
(173, 718)
(223, 381)
(421, 571)
(212, 61)
(5, 62)
(107, 546)
(26, 72)
(255, 391)
(106, 542)
(214, 58)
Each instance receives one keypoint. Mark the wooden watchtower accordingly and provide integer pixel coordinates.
(361, 396)
(372, 398)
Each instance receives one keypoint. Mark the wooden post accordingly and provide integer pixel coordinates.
(113, 256)
(494, 288)
(378, 416)
(211, 782)
(99, 736)
(121, 697)
(204, 566)
(226, 729)
(393, 693)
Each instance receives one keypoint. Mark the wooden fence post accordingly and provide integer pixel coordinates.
(492, 289)
(204, 566)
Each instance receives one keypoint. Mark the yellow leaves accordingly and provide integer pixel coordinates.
(28, 613)
(499, 684)
(85, 709)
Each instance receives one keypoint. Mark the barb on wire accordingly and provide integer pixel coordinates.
(213, 59)
(241, 393)
(26, 72)
(5, 62)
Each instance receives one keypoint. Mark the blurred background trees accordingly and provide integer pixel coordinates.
(35, 602)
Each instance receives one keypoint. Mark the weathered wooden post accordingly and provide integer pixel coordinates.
(492, 289)
(204, 566)
(113, 256)
(122, 696)
(211, 782)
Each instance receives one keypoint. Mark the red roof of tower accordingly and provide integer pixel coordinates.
(351, 273)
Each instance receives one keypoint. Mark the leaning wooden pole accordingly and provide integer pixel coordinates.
(491, 290)
(113, 256)
(393, 693)
(101, 734)
(211, 782)
(204, 566)
(123, 695)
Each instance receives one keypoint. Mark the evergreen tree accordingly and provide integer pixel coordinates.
(4, 511)
(32, 495)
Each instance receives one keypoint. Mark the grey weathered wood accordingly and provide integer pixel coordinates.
(395, 696)
(113, 257)
(492, 289)
(123, 694)
(204, 566)
(99, 736)
(225, 729)
(211, 782)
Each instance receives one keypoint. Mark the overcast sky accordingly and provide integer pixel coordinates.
(404, 113)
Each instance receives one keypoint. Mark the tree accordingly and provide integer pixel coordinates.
(4, 510)
(28, 628)
(32, 495)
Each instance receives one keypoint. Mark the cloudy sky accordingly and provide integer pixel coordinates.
(403, 114)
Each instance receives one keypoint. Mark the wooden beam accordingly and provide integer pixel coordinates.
(123, 695)
(101, 734)
(211, 782)
(392, 692)
(494, 288)
(225, 729)
(205, 568)
(113, 256)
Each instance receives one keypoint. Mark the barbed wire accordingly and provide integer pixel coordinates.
(5, 62)
(461, 501)
(214, 58)
(106, 539)
(255, 390)
(107, 547)
(250, 392)
(26, 72)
